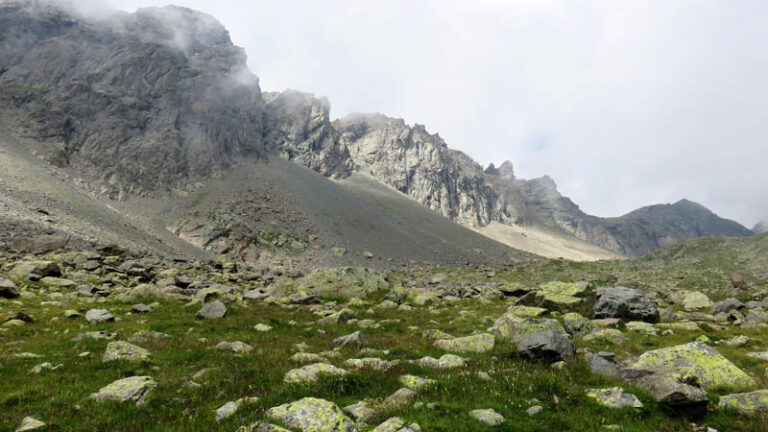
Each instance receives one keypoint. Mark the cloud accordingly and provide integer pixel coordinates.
(624, 104)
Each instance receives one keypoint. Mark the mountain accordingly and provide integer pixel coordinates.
(155, 115)
(420, 165)
(147, 130)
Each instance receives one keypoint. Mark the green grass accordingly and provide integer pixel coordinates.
(61, 397)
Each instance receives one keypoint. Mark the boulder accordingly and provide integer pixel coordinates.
(627, 304)
(691, 300)
(469, 344)
(133, 389)
(604, 363)
(700, 360)
(727, 305)
(312, 415)
(98, 316)
(543, 339)
(487, 416)
(212, 310)
(398, 400)
(336, 318)
(668, 386)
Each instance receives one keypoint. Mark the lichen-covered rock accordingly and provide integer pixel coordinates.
(399, 399)
(132, 389)
(346, 281)
(236, 347)
(310, 373)
(98, 316)
(614, 397)
(362, 411)
(448, 361)
(369, 363)
(575, 324)
(527, 311)
(313, 415)
(504, 327)
(393, 424)
(336, 318)
(642, 327)
(626, 303)
(700, 360)
(613, 336)
(692, 300)
(121, 350)
(212, 310)
(746, 403)
(487, 416)
(564, 296)
(303, 357)
(604, 363)
(470, 344)
(41, 268)
(416, 383)
(543, 339)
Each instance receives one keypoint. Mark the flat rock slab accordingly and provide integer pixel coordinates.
(700, 360)
(132, 389)
(313, 415)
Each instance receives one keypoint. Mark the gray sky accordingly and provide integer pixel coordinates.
(623, 103)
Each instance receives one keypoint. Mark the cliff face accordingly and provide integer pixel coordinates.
(148, 101)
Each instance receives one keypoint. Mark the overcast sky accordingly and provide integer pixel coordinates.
(623, 103)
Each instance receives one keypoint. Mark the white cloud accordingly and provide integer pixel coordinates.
(624, 104)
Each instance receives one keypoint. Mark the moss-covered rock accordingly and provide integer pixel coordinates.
(701, 360)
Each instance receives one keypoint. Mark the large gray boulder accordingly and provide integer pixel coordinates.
(543, 339)
(627, 304)
(212, 310)
(668, 386)
(98, 316)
